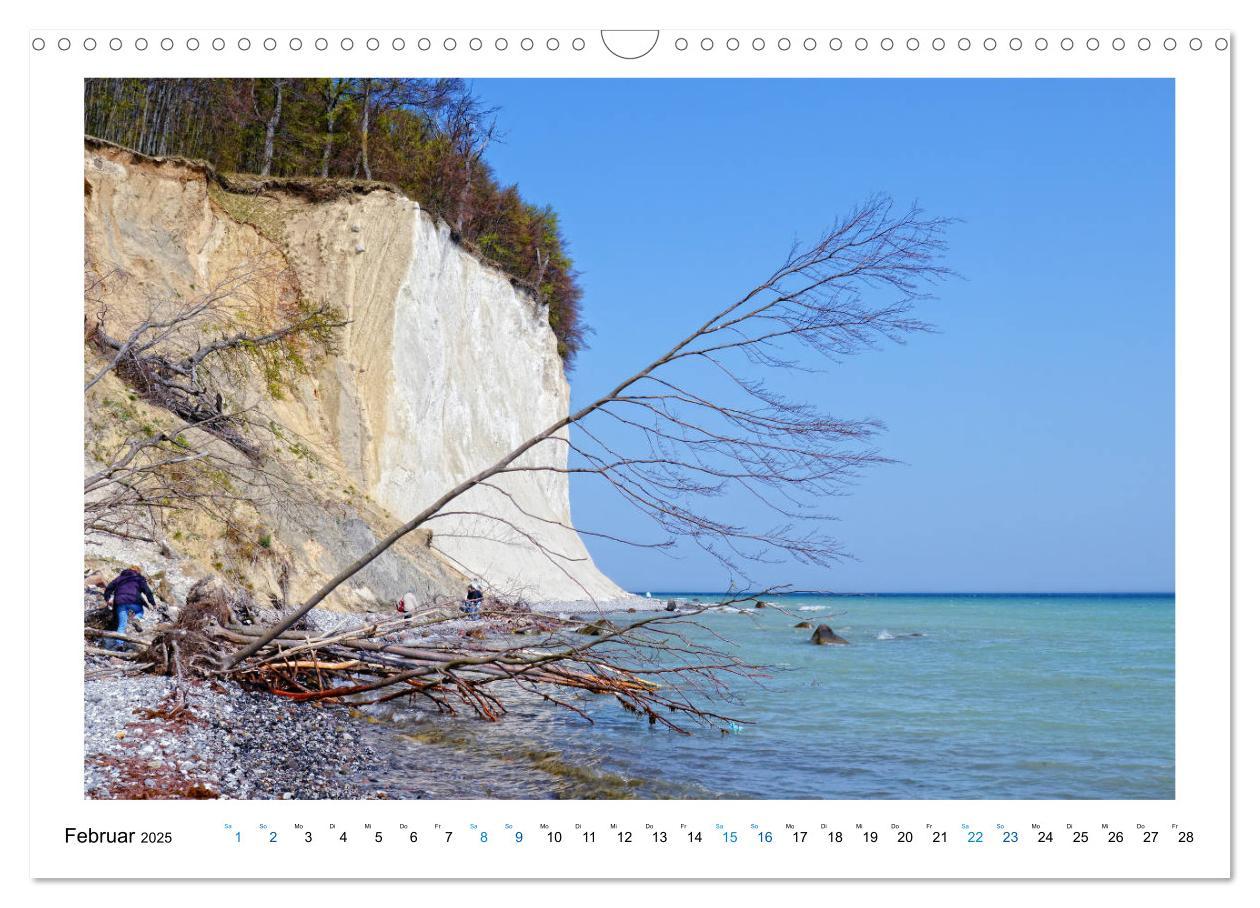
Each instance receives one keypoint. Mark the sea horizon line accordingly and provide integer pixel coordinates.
(891, 593)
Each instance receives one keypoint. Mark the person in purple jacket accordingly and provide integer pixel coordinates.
(129, 591)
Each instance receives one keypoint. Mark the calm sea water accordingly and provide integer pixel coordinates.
(1002, 697)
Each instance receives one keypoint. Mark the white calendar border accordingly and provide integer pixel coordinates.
(1202, 455)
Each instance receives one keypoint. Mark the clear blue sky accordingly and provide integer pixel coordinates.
(1034, 432)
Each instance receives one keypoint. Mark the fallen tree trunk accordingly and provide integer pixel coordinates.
(648, 666)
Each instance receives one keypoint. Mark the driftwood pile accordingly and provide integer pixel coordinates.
(438, 657)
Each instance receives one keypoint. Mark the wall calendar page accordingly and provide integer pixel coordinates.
(711, 452)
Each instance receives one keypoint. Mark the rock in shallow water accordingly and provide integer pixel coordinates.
(824, 635)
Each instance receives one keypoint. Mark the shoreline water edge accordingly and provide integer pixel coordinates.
(990, 671)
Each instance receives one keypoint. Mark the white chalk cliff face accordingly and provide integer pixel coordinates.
(443, 369)
(475, 373)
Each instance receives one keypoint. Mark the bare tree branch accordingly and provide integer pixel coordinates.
(163, 357)
(856, 286)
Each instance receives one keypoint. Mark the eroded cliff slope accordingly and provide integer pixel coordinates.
(443, 367)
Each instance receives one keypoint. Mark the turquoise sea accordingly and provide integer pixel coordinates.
(1001, 697)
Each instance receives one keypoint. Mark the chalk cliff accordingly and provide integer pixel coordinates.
(443, 368)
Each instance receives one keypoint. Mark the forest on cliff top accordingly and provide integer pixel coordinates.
(427, 137)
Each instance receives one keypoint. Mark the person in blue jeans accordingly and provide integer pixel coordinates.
(472, 602)
(129, 591)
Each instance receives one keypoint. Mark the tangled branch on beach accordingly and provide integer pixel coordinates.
(857, 286)
(179, 355)
(657, 667)
(165, 357)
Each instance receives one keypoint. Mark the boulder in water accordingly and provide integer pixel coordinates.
(824, 635)
(671, 606)
(804, 624)
(759, 604)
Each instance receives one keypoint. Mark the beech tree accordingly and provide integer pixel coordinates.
(333, 93)
(269, 144)
(471, 128)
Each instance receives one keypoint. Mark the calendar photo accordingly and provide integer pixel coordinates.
(716, 452)
(520, 438)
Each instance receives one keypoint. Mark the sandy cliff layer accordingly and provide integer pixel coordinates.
(444, 367)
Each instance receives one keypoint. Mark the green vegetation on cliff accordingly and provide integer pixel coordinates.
(428, 137)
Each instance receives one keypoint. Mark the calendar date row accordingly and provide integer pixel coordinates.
(715, 834)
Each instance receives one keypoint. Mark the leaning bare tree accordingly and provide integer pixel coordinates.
(858, 285)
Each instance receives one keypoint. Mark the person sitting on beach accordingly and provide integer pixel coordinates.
(129, 591)
(472, 601)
